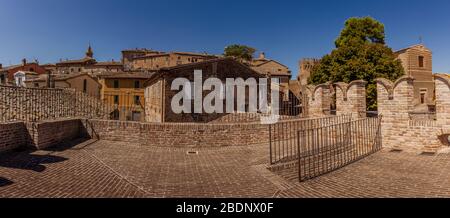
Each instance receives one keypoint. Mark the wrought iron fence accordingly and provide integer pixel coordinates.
(326, 148)
(283, 136)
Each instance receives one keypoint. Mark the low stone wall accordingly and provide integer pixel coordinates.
(49, 133)
(39, 135)
(179, 135)
(13, 135)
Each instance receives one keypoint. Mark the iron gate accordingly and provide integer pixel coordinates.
(326, 148)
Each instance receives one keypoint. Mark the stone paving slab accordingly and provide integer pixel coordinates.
(118, 169)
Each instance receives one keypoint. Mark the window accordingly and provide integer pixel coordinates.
(421, 58)
(116, 99)
(71, 70)
(116, 84)
(137, 100)
(79, 69)
(137, 84)
(36, 85)
(84, 85)
(31, 69)
(2, 78)
(423, 93)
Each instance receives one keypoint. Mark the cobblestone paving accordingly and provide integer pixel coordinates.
(117, 169)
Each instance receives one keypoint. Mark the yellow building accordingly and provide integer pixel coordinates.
(124, 92)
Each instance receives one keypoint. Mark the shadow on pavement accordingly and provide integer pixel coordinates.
(28, 161)
(5, 182)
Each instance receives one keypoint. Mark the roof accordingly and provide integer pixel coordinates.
(126, 75)
(139, 50)
(109, 63)
(63, 77)
(410, 47)
(15, 66)
(178, 53)
(86, 59)
(191, 65)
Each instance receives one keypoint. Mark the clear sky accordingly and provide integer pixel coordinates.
(285, 30)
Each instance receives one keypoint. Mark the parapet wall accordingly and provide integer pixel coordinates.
(40, 135)
(399, 130)
(13, 135)
(179, 134)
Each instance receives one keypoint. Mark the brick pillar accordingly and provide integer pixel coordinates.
(395, 101)
(319, 100)
(442, 83)
(351, 98)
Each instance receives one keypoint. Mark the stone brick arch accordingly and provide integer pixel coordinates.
(351, 98)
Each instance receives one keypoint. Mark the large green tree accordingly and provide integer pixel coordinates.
(360, 53)
(241, 52)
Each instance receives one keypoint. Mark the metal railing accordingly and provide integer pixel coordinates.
(283, 136)
(324, 149)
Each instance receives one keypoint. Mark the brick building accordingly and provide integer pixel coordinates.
(158, 60)
(88, 64)
(129, 54)
(159, 95)
(7, 73)
(80, 82)
(125, 91)
(417, 61)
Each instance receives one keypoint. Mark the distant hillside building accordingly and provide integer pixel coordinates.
(88, 64)
(129, 55)
(417, 61)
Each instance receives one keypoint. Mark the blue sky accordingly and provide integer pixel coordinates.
(285, 30)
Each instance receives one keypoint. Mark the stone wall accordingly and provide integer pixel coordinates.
(35, 104)
(179, 134)
(40, 135)
(399, 131)
(13, 135)
(318, 100)
(49, 133)
(351, 98)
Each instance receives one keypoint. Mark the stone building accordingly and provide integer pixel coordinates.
(88, 64)
(156, 61)
(417, 63)
(271, 68)
(159, 95)
(129, 54)
(7, 73)
(306, 65)
(80, 82)
(125, 91)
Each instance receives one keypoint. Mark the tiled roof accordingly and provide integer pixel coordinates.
(129, 75)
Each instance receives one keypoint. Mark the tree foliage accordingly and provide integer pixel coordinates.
(360, 54)
(241, 52)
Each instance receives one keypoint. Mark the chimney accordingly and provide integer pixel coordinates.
(24, 61)
(262, 55)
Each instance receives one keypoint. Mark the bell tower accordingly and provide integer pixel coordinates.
(89, 52)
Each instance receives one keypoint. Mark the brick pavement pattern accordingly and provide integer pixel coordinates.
(118, 169)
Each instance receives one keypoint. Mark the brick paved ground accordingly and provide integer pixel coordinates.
(116, 169)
